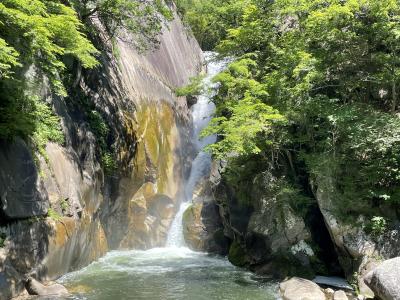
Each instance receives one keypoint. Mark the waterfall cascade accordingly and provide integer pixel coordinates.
(173, 272)
(202, 113)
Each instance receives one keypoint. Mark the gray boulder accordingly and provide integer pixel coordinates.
(340, 295)
(34, 287)
(301, 289)
(384, 280)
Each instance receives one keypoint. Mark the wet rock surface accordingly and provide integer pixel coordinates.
(34, 287)
(202, 228)
(265, 236)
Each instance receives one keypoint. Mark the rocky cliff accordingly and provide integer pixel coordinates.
(278, 236)
(115, 181)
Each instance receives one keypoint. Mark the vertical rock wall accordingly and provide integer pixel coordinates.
(63, 209)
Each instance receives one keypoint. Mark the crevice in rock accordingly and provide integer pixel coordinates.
(326, 252)
(3, 218)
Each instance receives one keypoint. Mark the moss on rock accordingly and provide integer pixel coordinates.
(237, 255)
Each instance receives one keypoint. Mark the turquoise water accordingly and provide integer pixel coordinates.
(167, 274)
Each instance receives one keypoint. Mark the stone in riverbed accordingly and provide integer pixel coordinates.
(384, 280)
(340, 295)
(301, 289)
(34, 287)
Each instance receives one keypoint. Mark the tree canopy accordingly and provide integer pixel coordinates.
(313, 85)
(38, 37)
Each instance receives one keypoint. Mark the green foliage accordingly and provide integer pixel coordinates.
(38, 35)
(237, 255)
(210, 19)
(54, 215)
(42, 32)
(28, 116)
(142, 19)
(109, 162)
(64, 204)
(99, 127)
(47, 126)
(194, 88)
(101, 131)
(245, 131)
(313, 88)
(246, 122)
(8, 59)
(2, 240)
(378, 226)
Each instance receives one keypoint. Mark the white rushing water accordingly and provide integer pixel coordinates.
(175, 234)
(202, 113)
(173, 272)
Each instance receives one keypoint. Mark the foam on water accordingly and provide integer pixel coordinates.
(175, 235)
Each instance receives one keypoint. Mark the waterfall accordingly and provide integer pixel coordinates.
(175, 234)
(202, 113)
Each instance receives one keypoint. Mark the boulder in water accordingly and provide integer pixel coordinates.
(34, 287)
(301, 289)
(384, 280)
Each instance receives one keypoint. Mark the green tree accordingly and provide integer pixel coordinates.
(314, 83)
(142, 20)
(41, 33)
(210, 20)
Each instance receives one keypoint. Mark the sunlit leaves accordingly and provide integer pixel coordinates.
(8, 59)
(42, 32)
(246, 130)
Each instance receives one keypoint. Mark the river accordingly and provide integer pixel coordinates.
(174, 272)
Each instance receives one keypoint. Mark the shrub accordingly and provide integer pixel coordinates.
(2, 240)
(194, 88)
(52, 214)
(378, 226)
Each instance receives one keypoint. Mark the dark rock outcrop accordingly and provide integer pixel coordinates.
(22, 192)
(358, 252)
(202, 227)
(265, 236)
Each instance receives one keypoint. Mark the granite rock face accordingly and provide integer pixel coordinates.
(265, 236)
(301, 289)
(22, 193)
(358, 252)
(62, 210)
(34, 287)
(384, 280)
(202, 227)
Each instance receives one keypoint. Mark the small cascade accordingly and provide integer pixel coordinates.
(175, 234)
(202, 113)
